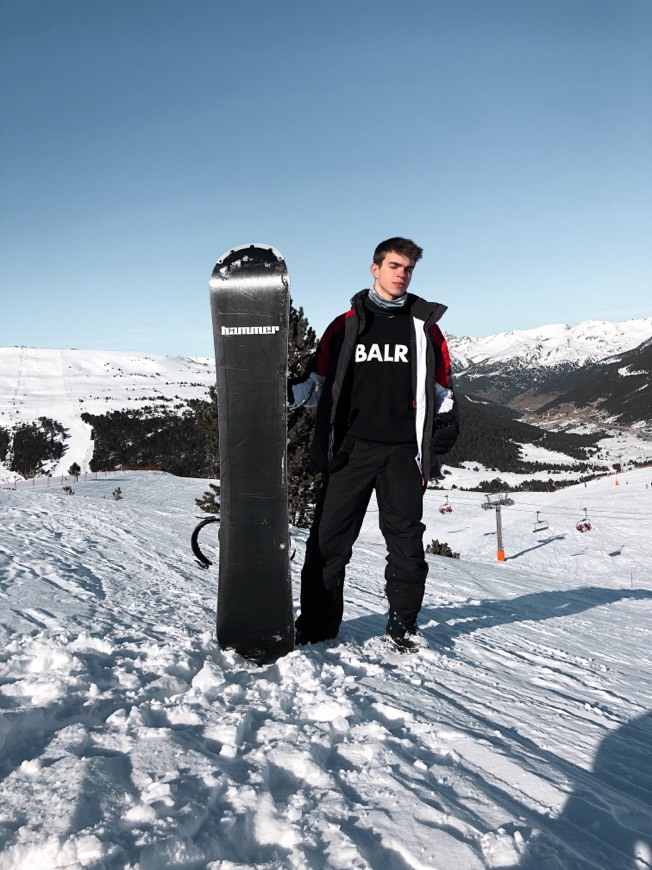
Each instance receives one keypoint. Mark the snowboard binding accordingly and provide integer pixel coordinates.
(202, 560)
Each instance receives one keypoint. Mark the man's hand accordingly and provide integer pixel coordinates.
(444, 436)
(306, 394)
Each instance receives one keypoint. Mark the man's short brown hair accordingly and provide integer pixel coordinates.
(400, 246)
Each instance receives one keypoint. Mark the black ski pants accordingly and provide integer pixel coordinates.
(391, 470)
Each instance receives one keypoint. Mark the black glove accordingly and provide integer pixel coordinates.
(444, 436)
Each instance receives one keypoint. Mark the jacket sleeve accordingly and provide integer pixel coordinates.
(325, 349)
(446, 427)
(444, 396)
(306, 390)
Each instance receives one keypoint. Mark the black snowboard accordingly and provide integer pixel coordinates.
(250, 303)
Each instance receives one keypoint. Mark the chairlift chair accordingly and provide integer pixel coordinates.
(446, 508)
(539, 524)
(584, 525)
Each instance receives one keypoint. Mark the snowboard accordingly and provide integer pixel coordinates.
(250, 304)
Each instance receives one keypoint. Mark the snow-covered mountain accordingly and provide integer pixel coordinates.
(519, 741)
(618, 388)
(35, 381)
(529, 368)
(552, 345)
(62, 384)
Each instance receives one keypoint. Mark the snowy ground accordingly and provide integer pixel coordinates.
(63, 384)
(521, 739)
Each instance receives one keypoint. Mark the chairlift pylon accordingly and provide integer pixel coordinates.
(539, 524)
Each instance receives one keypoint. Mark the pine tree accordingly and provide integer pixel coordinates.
(5, 441)
(36, 443)
(302, 341)
(302, 483)
(210, 500)
(438, 548)
(206, 417)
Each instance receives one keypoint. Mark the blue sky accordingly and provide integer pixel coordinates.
(512, 139)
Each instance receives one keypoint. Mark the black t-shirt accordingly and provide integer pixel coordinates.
(381, 402)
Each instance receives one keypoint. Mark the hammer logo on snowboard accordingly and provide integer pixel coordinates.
(250, 330)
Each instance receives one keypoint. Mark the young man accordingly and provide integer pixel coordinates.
(385, 410)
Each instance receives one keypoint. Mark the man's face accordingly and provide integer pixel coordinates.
(393, 276)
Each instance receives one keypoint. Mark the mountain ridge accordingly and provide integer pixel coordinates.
(528, 369)
(551, 344)
(72, 387)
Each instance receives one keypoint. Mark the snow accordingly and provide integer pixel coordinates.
(63, 384)
(521, 739)
(626, 372)
(551, 345)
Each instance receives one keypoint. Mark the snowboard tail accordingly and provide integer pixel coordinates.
(250, 302)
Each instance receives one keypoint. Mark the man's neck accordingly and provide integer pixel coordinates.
(387, 304)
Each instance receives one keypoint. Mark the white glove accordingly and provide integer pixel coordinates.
(306, 394)
(444, 400)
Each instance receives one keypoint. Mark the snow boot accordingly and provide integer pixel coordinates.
(305, 634)
(406, 637)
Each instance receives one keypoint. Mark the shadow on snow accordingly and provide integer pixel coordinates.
(607, 820)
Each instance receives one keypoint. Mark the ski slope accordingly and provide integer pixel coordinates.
(64, 384)
(521, 739)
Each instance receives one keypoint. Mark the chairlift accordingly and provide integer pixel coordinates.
(446, 508)
(539, 524)
(584, 525)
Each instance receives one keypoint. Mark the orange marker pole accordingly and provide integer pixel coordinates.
(499, 535)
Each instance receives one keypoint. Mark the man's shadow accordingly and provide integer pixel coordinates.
(453, 621)
(607, 821)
